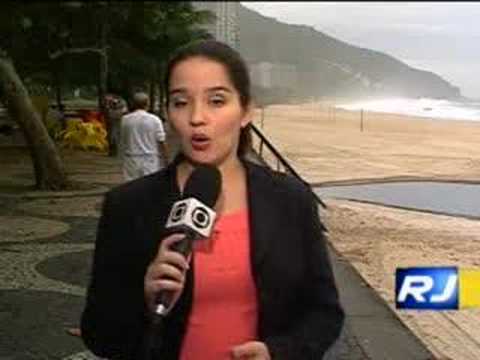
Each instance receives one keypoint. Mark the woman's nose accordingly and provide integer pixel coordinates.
(197, 117)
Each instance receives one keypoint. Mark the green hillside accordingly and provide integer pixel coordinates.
(329, 67)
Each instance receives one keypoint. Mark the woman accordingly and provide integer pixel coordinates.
(264, 289)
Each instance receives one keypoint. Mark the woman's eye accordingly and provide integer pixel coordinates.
(179, 103)
(218, 101)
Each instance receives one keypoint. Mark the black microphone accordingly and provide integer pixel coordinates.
(193, 216)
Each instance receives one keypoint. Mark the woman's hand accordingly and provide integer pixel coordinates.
(252, 350)
(166, 272)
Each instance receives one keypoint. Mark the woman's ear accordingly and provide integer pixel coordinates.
(247, 116)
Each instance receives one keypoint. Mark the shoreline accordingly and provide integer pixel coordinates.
(420, 108)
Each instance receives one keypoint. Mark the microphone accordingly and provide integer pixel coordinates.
(193, 216)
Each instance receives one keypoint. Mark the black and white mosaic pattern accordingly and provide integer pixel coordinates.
(27, 228)
(46, 247)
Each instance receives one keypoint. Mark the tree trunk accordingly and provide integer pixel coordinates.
(153, 93)
(103, 69)
(57, 82)
(102, 82)
(49, 170)
(55, 71)
(102, 85)
(129, 90)
(161, 91)
(58, 93)
(102, 91)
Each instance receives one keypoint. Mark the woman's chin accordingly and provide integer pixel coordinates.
(201, 159)
(207, 158)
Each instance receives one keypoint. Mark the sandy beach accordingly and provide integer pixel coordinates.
(329, 146)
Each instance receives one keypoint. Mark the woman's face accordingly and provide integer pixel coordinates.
(205, 110)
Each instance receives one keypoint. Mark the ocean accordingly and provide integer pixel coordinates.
(422, 107)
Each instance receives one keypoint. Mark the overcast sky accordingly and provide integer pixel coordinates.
(442, 37)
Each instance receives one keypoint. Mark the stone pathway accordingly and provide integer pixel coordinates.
(45, 261)
(46, 244)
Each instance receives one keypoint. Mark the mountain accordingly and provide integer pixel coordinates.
(326, 66)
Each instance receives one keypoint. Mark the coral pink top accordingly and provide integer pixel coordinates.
(224, 309)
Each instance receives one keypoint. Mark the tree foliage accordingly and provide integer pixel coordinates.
(59, 43)
(115, 46)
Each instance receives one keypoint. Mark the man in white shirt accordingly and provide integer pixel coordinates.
(142, 140)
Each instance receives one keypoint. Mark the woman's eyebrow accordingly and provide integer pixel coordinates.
(183, 90)
(220, 88)
(177, 91)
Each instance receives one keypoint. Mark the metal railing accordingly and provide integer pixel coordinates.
(281, 162)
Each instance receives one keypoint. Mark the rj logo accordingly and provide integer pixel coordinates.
(433, 288)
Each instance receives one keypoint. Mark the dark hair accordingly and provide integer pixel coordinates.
(140, 100)
(234, 65)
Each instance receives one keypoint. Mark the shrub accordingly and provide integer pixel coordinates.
(84, 135)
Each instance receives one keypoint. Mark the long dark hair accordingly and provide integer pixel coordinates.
(236, 69)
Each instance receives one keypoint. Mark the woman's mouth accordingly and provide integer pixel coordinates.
(200, 142)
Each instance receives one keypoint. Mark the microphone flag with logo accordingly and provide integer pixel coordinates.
(192, 215)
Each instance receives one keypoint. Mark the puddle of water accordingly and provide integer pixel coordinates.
(449, 198)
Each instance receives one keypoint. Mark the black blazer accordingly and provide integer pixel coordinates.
(299, 312)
